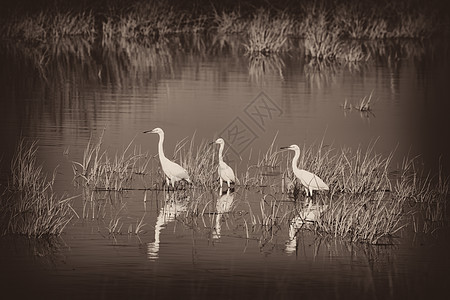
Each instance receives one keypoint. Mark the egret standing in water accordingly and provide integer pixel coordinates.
(309, 180)
(225, 172)
(173, 171)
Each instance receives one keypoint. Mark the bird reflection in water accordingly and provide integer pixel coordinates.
(306, 217)
(225, 204)
(175, 203)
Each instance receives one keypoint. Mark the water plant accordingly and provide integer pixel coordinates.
(368, 218)
(148, 20)
(266, 33)
(50, 26)
(335, 30)
(100, 171)
(322, 37)
(358, 20)
(29, 206)
(227, 23)
(366, 200)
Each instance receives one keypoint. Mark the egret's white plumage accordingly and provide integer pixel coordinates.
(173, 171)
(309, 180)
(225, 171)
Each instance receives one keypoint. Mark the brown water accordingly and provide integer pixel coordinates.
(63, 95)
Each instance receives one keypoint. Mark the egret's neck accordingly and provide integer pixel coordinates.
(295, 160)
(220, 152)
(160, 146)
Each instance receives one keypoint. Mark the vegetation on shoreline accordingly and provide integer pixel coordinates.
(367, 201)
(329, 30)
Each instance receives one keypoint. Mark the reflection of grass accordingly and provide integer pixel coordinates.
(261, 66)
(325, 26)
(372, 218)
(29, 206)
(366, 201)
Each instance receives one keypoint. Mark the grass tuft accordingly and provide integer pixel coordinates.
(267, 34)
(30, 206)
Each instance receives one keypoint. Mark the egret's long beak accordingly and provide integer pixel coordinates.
(148, 131)
(284, 148)
(211, 143)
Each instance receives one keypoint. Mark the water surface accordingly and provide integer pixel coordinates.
(73, 91)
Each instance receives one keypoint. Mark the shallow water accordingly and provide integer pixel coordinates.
(195, 86)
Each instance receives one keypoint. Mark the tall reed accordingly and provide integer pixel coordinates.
(368, 218)
(227, 23)
(30, 206)
(200, 161)
(266, 33)
(100, 171)
(321, 36)
(50, 26)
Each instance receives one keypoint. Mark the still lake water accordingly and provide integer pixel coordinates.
(63, 95)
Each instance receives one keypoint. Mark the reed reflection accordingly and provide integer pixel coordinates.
(225, 204)
(262, 66)
(97, 202)
(320, 74)
(175, 203)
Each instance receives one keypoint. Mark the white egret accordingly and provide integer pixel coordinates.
(173, 171)
(225, 171)
(309, 180)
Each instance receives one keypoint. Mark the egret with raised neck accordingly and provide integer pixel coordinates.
(173, 171)
(309, 180)
(225, 171)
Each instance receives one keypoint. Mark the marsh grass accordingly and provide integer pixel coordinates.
(417, 185)
(360, 22)
(367, 201)
(373, 219)
(266, 33)
(150, 19)
(228, 23)
(29, 206)
(364, 104)
(50, 26)
(264, 170)
(335, 31)
(100, 171)
(345, 170)
(364, 172)
(321, 38)
(201, 161)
